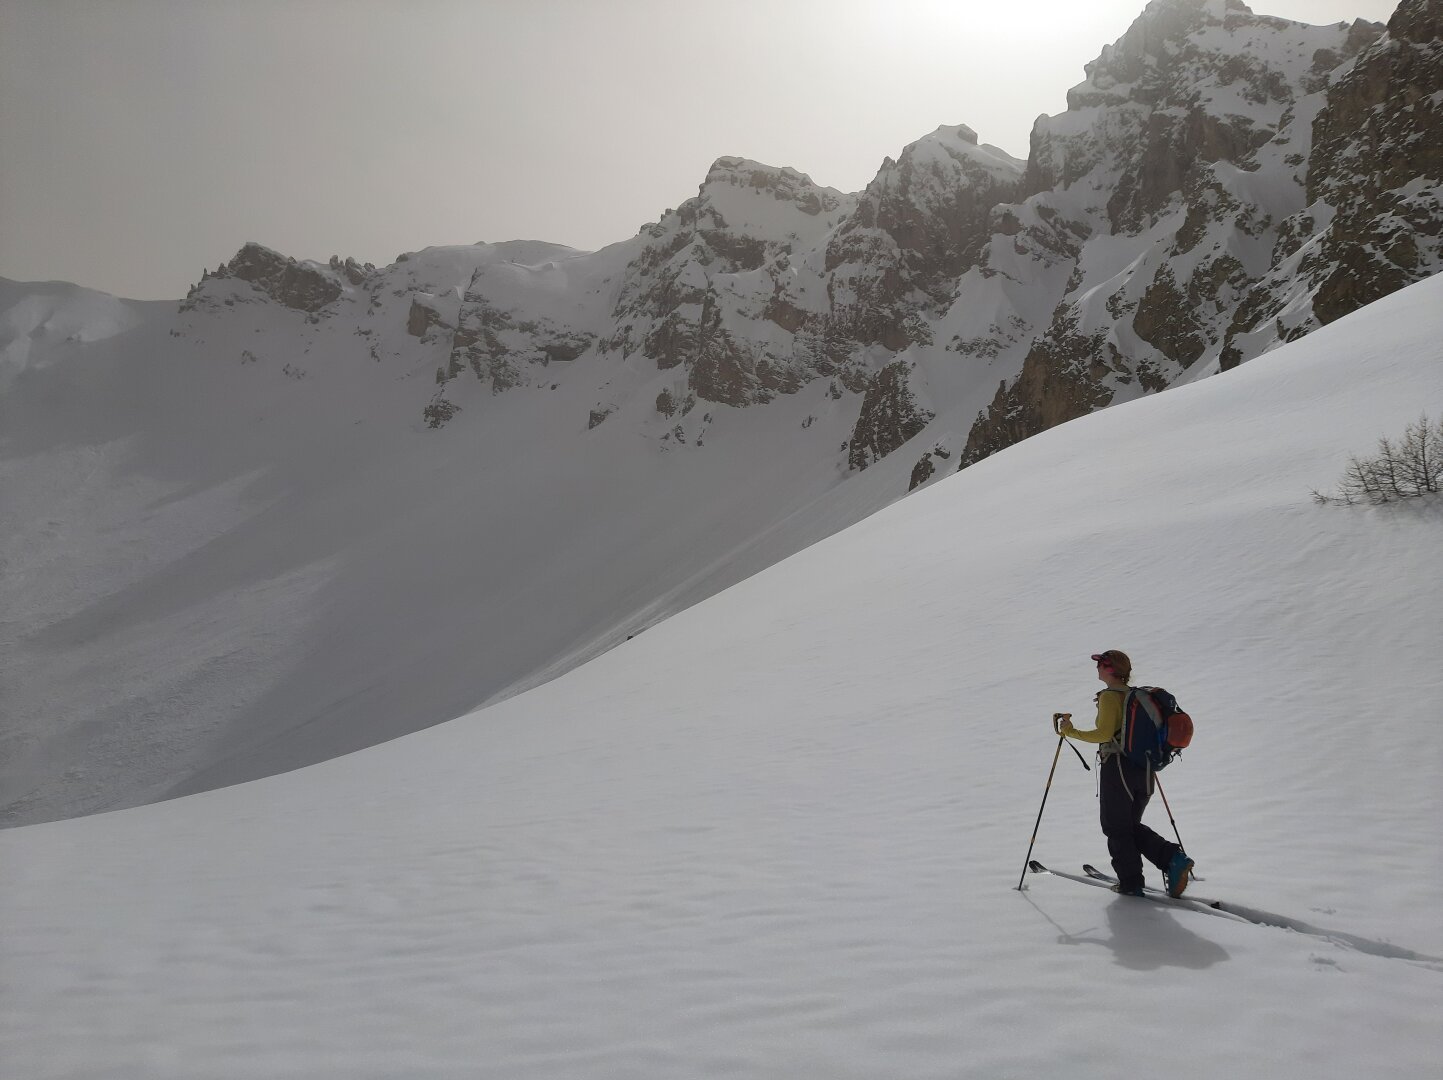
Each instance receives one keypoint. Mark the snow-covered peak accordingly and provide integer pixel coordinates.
(1190, 83)
(782, 180)
(1210, 54)
(955, 146)
(920, 223)
(749, 199)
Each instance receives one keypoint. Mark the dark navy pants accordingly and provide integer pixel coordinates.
(1123, 791)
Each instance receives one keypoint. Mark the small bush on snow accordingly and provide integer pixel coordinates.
(1407, 469)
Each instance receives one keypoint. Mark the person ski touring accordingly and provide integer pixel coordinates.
(1124, 787)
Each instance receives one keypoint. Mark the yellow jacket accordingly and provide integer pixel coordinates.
(1109, 719)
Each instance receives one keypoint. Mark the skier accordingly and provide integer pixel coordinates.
(1124, 788)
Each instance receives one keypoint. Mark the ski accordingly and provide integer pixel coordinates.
(1105, 881)
(1156, 894)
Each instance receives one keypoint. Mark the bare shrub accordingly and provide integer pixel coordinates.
(1409, 468)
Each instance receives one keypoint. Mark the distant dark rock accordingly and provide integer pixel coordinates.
(1165, 318)
(354, 272)
(439, 412)
(424, 321)
(1062, 379)
(922, 471)
(890, 416)
(302, 286)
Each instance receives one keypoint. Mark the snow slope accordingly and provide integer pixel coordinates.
(780, 836)
(232, 548)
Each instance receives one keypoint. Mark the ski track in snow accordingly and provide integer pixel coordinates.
(1228, 909)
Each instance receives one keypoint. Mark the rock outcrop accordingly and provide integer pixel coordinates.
(711, 289)
(1374, 216)
(303, 286)
(425, 320)
(1186, 149)
(504, 348)
(919, 225)
(765, 281)
(890, 416)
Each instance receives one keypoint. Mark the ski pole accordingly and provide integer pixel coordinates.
(1060, 740)
(1075, 750)
(1195, 876)
(1169, 812)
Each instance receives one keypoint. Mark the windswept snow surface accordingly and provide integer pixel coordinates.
(780, 836)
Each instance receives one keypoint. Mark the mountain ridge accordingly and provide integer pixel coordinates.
(1187, 145)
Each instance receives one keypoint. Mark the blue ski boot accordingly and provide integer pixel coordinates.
(1178, 871)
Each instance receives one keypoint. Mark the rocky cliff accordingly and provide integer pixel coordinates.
(1180, 165)
(1373, 222)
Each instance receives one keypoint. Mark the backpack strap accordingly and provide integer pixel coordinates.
(1147, 703)
(1114, 745)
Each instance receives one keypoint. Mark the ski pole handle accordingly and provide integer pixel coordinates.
(1057, 719)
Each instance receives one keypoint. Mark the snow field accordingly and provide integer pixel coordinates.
(779, 834)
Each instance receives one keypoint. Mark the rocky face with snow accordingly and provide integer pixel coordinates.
(890, 416)
(1178, 165)
(303, 286)
(709, 292)
(1373, 222)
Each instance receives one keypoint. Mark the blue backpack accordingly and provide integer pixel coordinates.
(1154, 729)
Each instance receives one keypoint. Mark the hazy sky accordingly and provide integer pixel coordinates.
(144, 140)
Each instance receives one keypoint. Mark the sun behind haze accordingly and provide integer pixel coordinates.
(145, 140)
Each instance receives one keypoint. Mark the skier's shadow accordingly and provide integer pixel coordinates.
(1154, 937)
(1146, 937)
